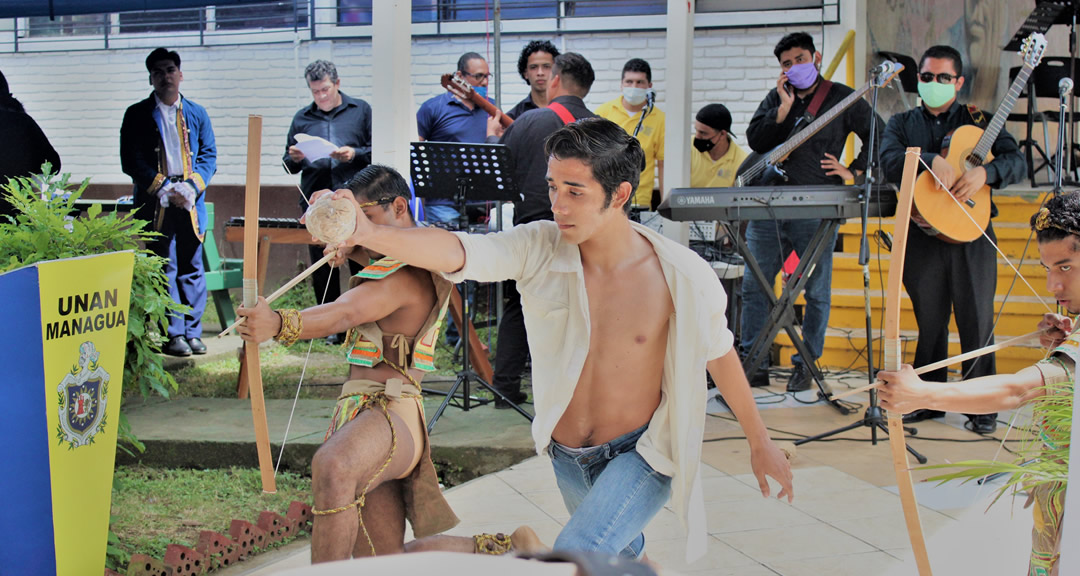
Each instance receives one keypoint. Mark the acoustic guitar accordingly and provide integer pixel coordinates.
(967, 148)
(767, 170)
(455, 83)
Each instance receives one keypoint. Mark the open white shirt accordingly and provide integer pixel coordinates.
(551, 281)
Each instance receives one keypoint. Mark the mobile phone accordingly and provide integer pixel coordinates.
(787, 88)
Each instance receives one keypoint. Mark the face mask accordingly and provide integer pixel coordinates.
(935, 95)
(634, 96)
(802, 76)
(703, 145)
(481, 90)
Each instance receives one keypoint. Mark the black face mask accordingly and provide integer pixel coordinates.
(703, 144)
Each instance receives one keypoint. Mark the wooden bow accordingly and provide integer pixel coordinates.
(251, 298)
(893, 358)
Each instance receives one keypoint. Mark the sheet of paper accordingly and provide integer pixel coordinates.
(313, 147)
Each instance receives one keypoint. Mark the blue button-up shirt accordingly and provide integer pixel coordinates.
(444, 118)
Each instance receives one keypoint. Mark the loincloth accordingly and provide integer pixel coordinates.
(425, 507)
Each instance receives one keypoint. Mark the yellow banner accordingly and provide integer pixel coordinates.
(84, 312)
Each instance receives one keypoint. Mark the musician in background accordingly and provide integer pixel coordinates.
(571, 79)
(450, 117)
(799, 89)
(717, 157)
(941, 276)
(535, 66)
(346, 122)
(167, 147)
(634, 112)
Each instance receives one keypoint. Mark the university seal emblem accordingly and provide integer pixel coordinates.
(81, 398)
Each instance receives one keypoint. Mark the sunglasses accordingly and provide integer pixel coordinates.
(479, 76)
(943, 78)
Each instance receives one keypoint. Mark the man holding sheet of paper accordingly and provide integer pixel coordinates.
(329, 142)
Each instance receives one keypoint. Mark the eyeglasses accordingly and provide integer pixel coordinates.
(479, 76)
(943, 78)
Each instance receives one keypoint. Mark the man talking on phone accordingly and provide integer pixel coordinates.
(801, 94)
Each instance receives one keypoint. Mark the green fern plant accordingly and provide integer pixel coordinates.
(1043, 457)
(43, 229)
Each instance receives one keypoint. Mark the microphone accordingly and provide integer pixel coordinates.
(1065, 86)
(880, 69)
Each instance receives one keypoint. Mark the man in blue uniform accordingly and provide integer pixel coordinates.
(167, 147)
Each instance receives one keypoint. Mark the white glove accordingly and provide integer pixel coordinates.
(186, 194)
(164, 193)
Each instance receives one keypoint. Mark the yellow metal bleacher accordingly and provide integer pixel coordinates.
(1020, 309)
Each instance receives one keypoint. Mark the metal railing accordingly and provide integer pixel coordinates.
(290, 20)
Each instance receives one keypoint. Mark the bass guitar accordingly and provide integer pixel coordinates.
(767, 170)
(966, 148)
(458, 85)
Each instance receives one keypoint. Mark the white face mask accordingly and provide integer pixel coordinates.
(634, 96)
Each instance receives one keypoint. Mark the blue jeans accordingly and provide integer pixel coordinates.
(611, 494)
(441, 213)
(183, 266)
(769, 242)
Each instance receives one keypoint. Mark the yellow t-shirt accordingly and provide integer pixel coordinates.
(651, 138)
(708, 173)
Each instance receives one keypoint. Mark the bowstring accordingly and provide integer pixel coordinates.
(299, 385)
(1012, 421)
(984, 234)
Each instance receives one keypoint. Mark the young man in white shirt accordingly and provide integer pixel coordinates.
(619, 387)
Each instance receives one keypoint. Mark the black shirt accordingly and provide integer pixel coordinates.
(522, 107)
(347, 125)
(525, 138)
(28, 148)
(803, 167)
(918, 127)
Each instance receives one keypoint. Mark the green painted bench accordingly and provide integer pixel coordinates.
(221, 273)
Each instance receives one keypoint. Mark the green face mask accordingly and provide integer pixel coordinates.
(935, 95)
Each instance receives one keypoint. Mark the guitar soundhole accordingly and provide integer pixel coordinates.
(972, 161)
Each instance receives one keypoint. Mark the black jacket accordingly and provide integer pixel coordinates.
(803, 167)
(525, 138)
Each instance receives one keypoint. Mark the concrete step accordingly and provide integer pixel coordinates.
(1013, 237)
(846, 348)
(847, 273)
(848, 312)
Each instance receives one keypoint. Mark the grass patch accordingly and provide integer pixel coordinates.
(155, 507)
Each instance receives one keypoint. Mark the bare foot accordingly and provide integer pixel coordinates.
(525, 540)
(653, 565)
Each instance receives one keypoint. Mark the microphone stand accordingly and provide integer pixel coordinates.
(1064, 89)
(874, 418)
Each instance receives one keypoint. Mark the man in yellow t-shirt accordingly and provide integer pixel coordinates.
(716, 157)
(634, 111)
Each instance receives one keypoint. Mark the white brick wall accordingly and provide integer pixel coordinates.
(79, 98)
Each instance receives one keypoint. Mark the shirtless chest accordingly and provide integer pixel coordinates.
(620, 383)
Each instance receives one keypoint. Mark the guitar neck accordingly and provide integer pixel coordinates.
(490, 108)
(458, 87)
(800, 138)
(986, 141)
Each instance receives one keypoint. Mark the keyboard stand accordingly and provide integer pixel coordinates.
(782, 311)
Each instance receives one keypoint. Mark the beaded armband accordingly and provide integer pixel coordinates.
(292, 324)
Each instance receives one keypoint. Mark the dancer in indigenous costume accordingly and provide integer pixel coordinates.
(1049, 383)
(375, 465)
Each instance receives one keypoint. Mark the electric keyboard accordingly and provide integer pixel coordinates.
(776, 203)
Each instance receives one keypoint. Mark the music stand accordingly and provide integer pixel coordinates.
(464, 172)
(1045, 15)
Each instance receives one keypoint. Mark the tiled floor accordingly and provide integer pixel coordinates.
(846, 517)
